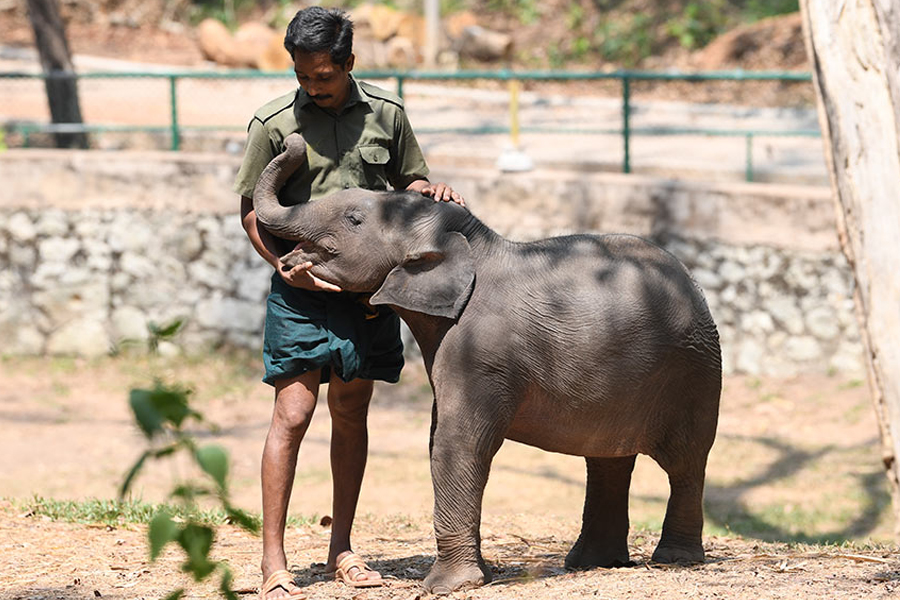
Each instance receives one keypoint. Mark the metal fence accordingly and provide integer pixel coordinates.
(155, 103)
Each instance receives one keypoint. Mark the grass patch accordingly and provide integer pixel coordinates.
(115, 513)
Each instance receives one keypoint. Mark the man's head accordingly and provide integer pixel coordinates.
(321, 43)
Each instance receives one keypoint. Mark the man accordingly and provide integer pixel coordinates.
(357, 136)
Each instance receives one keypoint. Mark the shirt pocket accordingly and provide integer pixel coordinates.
(375, 159)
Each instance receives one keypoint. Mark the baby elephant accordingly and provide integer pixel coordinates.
(599, 346)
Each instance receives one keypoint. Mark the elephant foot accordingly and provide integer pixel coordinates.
(446, 579)
(679, 554)
(588, 556)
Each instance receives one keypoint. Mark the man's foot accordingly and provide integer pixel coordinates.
(280, 584)
(353, 571)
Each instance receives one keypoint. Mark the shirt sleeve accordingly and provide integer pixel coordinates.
(257, 155)
(409, 163)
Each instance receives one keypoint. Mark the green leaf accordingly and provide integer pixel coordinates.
(165, 331)
(189, 492)
(242, 519)
(176, 595)
(132, 473)
(196, 540)
(162, 530)
(225, 584)
(145, 412)
(172, 405)
(214, 461)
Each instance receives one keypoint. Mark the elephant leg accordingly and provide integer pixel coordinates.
(604, 531)
(681, 540)
(461, 453)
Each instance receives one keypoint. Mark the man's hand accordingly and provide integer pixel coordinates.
(441, 192)
(300, 277)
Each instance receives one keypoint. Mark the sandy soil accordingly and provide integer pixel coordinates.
(795, 461)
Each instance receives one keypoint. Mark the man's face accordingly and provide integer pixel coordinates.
(326, 83)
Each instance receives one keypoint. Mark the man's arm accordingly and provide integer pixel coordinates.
(266, 246)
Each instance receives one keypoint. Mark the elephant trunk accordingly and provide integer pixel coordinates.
(282, 221)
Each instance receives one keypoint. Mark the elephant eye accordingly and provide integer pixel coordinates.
(353, 218)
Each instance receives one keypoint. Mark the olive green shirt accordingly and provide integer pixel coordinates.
(370, 144)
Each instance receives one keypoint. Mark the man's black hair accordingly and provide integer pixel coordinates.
(316, 29)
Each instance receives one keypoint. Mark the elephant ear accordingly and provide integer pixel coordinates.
(436, 281)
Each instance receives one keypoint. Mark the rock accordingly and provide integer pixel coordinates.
(52, 223)
(216, 42)
(485, 45)
(732, 272)
(251, 41)
(58, 250)
(216, 312)
(84, 337)
(822, 323)
(129, 324)
(757, 322)
(707, 279)
(130, 232)
(274, 57)
(849, 359)
(784, 310)
(21, 228)
(456, 23)
(139, 266)
(381, 22)
(802, 348)
(64, 303)
(749, 356)
(401, 53)
(252, 282)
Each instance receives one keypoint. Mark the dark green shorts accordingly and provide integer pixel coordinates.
(335, 332)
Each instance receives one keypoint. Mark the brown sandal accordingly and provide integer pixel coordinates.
(353, 561)
(281, 579)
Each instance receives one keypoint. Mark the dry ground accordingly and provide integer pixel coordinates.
(793, 474)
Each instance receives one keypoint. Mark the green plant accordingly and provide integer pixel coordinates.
(156, 334)
(625, 40)
(162, 413)
(698, 23)
(526, 11)
(159, 333)
(224, 10)
(761, 9)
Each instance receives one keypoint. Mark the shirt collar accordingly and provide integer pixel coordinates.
(357, 95)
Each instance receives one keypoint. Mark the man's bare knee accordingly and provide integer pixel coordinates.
(349, 402)
(295, 402)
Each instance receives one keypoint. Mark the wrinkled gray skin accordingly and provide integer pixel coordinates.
(595, 346)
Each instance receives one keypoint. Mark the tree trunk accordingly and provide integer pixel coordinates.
(854, 46)
(56, 61)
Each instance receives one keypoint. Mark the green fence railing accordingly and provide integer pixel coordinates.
(624, 77)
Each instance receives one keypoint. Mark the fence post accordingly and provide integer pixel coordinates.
(173, 103)
(748, 172)
(626, 123)
(514, 112)
(400, 79)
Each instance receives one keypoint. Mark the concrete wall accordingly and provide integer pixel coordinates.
(95, 245)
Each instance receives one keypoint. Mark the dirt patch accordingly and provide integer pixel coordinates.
(795, 463)
(65, 561)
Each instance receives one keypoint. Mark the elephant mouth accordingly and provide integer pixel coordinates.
(303, 252)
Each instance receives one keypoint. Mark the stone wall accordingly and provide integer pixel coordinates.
(93, 246)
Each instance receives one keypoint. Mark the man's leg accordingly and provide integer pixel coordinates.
(349, 406)
(295, 401)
